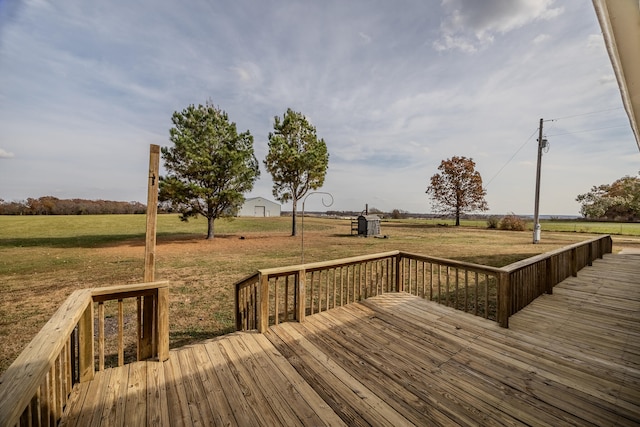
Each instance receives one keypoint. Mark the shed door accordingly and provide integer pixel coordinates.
(259, 211)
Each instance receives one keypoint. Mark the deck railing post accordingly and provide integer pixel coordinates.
(504, 298)
(574, 262)
(263, 319)
(300, 295)
(590, 256)
(399, 282)
(549, 275)
(162, 324)
(238, 310)
(86, 358)
(145, 343)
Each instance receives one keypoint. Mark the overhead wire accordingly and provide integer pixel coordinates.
(588, 130)
(587, 114)
(511, 158)
(558, 134)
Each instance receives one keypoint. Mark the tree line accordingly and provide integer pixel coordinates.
(49, 205)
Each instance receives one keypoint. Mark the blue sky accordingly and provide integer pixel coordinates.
(393, 87)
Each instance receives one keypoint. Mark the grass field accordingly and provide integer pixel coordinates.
(44, 258)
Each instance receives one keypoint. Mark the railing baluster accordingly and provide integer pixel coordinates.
(486, 296)
(335, 285)
(466, 291)
(101, 335)
(276, 305)
(120, 333)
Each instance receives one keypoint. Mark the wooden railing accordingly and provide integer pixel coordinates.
(464, 286)
(532, 277)
(276, 295)
(35, 388)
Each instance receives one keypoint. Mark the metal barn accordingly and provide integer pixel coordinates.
(259, 207)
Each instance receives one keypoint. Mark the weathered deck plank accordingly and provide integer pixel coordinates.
(571, 358)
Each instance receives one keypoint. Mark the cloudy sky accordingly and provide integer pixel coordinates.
(394, 87)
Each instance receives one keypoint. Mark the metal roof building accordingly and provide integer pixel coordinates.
(259, 207)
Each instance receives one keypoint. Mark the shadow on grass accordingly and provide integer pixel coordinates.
(89, 241)
(96, 241)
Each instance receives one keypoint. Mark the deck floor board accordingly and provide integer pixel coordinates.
(571, 358)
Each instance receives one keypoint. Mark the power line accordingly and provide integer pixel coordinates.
(511, 158)
(588, 130)
(558, 134)
(586, 114)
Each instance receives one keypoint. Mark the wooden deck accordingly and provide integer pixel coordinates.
(571, 358)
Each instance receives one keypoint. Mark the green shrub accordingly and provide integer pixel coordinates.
(512, 222)
(492, 222)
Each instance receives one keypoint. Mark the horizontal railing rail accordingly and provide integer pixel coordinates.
(275, 295)
(35, 388)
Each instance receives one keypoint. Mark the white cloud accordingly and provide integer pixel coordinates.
(595, 41)
(469, 25)
(4, 154)
(608, 79)
(541, 38)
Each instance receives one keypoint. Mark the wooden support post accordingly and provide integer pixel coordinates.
(238, 315)
(263, 321)
(146, 341)
(145, 345)
(574, 262)
(152, 213)
(504, 299)
(162, 329)
(399, 284)
(590, 256)
(301, 285)
(549, 275)
(86, 361)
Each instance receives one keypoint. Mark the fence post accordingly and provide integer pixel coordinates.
(504, 298)
(86, 362)
(301, 285)
(263, 320)
(590, 257)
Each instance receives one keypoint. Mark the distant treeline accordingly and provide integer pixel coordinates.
(49, 205)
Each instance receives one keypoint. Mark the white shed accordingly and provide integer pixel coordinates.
(259, 207)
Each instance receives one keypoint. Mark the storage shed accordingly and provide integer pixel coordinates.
(368, 225)
(259, 207)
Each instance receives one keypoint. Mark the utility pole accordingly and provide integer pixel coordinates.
(542, 143)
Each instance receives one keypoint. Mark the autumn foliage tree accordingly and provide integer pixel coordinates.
(457, 188)
(619, 200)
(210, 165)
(297, 159)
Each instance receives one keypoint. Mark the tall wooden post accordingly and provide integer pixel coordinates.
(152, 214)
(147, 345)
